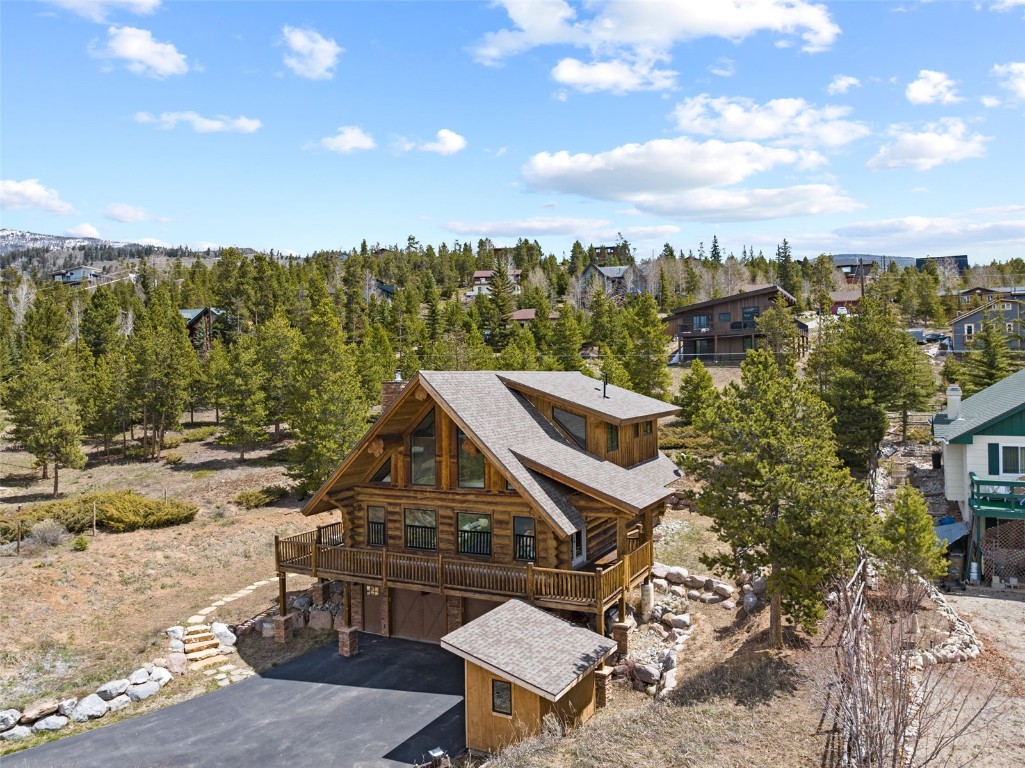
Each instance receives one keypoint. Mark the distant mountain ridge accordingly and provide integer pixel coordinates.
(18, 240)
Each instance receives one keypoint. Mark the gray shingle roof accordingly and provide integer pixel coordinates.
(620, 405)
(530, 450)
(530, 647)
(982, 407)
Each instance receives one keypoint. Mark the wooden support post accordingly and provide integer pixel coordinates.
(277, 554)
(441, 573)
(313, 556)
(281, 593)
(530, 582)
(626, 567)
(599, 601)
(384, 568)
(347, 603)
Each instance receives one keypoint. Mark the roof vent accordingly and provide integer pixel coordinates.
(953, 402)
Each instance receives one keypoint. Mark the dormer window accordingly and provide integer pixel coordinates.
(574, 426)
(421, 452)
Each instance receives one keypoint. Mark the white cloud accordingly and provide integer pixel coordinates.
(200, 124)
(141, 53)
(29, 193)
(842, 84)
(710, 204)
(657, 231)
(951, 234)
(990, 102)
(932, 88)
(1012, 76)
(532, 225)
(1006, 5)
(84, 229)
(98, 10)
(130, 214)
(653, 26)
(446, 143)
(350, 138)
(660, 165)
(942, 142)
(311, 54)
(616, 76)
(723, 67)
(785, 121)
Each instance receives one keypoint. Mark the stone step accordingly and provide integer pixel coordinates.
(201, 645)
(207, 662)
(206, 653)
(194, 629)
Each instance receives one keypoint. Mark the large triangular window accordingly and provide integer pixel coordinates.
(383, 475)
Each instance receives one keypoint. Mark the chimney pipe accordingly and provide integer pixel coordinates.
(953, 402)
(398, 375)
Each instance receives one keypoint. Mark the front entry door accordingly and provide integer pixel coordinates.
(372, 609)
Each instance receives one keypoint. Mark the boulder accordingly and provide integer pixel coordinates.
(142, 691)
(176, 633)
(119, 702)
(678, 591)
(668, 660)
(650, 690)
(660, 584)
(225, 650)
(66, 706)
(729, 605)
(681, 622)
(647, 674)
(659, 630)
(89, 708)
(708, 584)
(51, 723)
(677, 575)
(108, 691)
(319, 620)
(160, 662)
(659, 570)
(621, 670)
(302, 602)
(160, 676)
(9, 718)
(723, 590)
(138, 676)
(667, 618)
(694, 582)
(679, 633)
(693, 594)
(177, 663)
(710, 598)
(225, 636)
(759, 584)
(750, 602)
(176, 646)
(743, 578)
(38, 709)
(16, 733)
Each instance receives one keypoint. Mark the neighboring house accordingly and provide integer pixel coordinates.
(1007, 312)
(847, 299)
(983, 440)
(384, 291)
(482, 279)
(76, 276)
(960, 261)
(611, 279)
(474, 487)
(523, 317)
(523, 664)
(981, 295)
(199, 322)
(724, 329)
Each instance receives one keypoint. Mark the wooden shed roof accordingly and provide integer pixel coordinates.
(530, 647)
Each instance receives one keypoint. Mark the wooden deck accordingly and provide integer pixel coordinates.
(319, 554)
(992, 497)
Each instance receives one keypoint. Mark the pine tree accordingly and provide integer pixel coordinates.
(613, 372)
(110, 391)
(916, 386)
(244, 397)
(277, 344)
(665, 291)
(646, 363)
(776, 492)
(501, 300)
(215, 373)
(604, 321)
(520, 354)
(908, 544)
(989, 359)
(779, 328)
(327, 410)
(697, 393)
(715, 254)
(567, 340)
(375, 361)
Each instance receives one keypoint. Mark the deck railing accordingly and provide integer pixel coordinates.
(581, 590)
(474, 543)
(524, 547)
(1005, 497)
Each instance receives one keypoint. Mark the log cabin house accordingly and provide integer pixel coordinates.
(476, 487)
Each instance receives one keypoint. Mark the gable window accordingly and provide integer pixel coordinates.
(969, 331)
(1013, 459)
(501, 697)
(575, 426)
(421, 529)
(383, 475)
(724, 317)
(474, 533)
(611, 438)
(376, 530)
(422, 452)
(524, 539)
(471, 462)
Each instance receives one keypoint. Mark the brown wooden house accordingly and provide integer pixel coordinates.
(476, 487)
(720, 330)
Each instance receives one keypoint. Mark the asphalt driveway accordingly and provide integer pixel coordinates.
(385, 707)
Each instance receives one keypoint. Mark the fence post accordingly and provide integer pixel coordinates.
(316, 548)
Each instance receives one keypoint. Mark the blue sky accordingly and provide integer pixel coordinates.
(845, 127)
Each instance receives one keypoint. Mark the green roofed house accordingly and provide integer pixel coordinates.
(983, 441)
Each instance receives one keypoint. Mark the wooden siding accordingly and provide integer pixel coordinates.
(632, 450)
(487, 731)
(576, 707)
(681, 322)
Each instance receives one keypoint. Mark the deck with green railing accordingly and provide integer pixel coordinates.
(993, 497)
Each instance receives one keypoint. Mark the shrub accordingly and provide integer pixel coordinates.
(116, 511)
(262, 497)
(172, 441)
(199, 434)
(80, 543)
(173, 458)
(48, 532)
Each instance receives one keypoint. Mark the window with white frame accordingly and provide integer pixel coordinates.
(969, 330)
(1013, 459)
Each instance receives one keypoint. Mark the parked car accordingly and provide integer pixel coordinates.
(933, 336)
(917, 334)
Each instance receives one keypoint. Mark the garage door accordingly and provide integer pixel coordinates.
(474, 608)
(417, 615)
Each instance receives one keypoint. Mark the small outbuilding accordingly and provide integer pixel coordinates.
(522, 664)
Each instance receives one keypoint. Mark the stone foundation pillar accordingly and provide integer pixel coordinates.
(283, 628)
(319, 592)
(647, 600)
(621, 634)
(348, 641)
(454, 612)
(356, 609)
(385, 602)
(602, 675)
